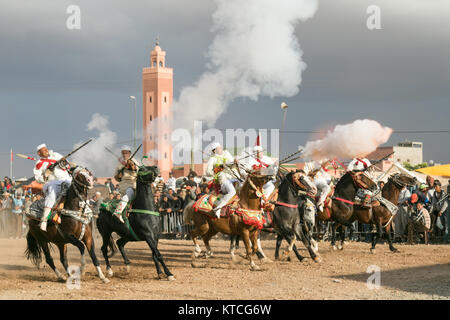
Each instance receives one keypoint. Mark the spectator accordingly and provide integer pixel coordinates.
(401, 218)
(165, 208)
(177, 207)
(420, 220)
(171, 182)
(17, 216)
(5, 214)
(95, 206)
(438, 209)
(110, 185)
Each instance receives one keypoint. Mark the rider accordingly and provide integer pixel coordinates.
(126, 174)
(53, 177)
(258, 162)
(219, 168)
(316, 171)
(361, 165)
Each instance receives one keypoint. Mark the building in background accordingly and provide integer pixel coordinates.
(411, 152)
(157, 96)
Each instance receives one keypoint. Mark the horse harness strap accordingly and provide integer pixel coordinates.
(286, 204)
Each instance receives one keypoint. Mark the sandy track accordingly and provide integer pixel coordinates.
(417, 272)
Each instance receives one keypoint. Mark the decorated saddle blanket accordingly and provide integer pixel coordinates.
(37, 209)
(208, 202)
(251, 217)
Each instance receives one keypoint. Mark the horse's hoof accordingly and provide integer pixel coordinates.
(340, 248)
(317, 259)
(372, 251)
(255, 268)
(171, 278)
(265, 260)
(62, 278)
(161, 276)
(110, 272)
(197, 254)
(106, 280)
(334, 248)
(395, 250)
(127, 268)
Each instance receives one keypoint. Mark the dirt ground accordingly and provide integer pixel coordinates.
(416, 272)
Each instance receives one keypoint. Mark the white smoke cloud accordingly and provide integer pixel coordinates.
(254, 53)
(94, 155)
(352, 140)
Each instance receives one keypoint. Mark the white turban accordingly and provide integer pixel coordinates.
(39, 147)
(125, 148)
(214, 146)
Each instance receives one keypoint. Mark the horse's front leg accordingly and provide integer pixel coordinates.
(89, 242)
(245, 235)
(305, 239)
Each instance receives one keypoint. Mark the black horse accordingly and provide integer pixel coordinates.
(286, 217)
(143, 224)
(307, 220)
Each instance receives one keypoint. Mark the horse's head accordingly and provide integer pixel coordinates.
(303, 182)
(402, 180)
(147, 174)
(83, 177)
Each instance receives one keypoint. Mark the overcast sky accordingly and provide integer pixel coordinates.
(53, 79)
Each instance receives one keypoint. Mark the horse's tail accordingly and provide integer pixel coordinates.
(188, 213)
(112, 246)
(34, 250)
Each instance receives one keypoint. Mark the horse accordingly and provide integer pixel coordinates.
(344, 211)
(286, 215)
(143, 224)
(382, 217)
(75, 228)
(207, 226)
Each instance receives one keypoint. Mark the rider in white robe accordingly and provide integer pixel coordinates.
(219, 167)
(53, 180)
(322, 180)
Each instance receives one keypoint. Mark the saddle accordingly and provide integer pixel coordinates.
(206, 204)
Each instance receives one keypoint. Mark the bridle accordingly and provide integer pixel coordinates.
(396, 180)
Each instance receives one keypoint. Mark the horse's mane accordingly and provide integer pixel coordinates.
(344, 180)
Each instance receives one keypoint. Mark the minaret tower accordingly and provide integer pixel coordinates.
(157, 94)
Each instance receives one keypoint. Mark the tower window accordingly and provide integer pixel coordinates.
(150, 99)
(151, 118)
(165, 155)
(160, 64)
(165, 99)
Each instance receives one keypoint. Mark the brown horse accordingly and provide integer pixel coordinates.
(343, 212)
(75, 228)
(206, 226)
(382, 217)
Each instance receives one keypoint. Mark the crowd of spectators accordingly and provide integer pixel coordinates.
(422, 210)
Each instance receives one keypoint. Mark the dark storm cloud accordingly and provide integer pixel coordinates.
(52, 80)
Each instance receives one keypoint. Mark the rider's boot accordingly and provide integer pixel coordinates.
(118, 212)
(43, 224)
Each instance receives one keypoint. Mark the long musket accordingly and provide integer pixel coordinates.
(25, 156)
(52, 166)
(115, 156)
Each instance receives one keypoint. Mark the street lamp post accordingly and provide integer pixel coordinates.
(284, 107)
(134, 132)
